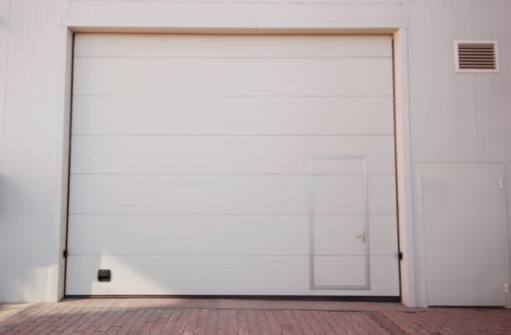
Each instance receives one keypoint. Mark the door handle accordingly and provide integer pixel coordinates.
(362, 237)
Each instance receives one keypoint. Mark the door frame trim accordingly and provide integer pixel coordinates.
(404, 166)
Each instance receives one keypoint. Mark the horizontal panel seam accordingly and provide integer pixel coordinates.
(232, 214)
(224, 174)
(238, 95)
(229, 58)
(221, 214)
(289, 2)
(227, 255)
(216, 96)
(227, 135)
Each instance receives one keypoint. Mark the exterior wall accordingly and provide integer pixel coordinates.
(457, 118)
(232, 14)
(454, 118)
(32, 132)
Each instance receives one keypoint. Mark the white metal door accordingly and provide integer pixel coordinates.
(233, 165)
(465, 232)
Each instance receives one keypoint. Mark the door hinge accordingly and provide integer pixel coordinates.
(64, 253)
(501, 184)
(362, 237)
(506, 287)
(400, 255)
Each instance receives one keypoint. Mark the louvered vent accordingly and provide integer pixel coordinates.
(476, 57)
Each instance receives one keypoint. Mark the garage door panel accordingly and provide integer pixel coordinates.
(346, 194)
(233, 115)
(383, 235)
(338, 235)
(204, 194)
(253, 77)
(204, 164)
(229, 234)
(340, 271)
(189, 234)
(157, 46)
(227, 154)
(191, 274)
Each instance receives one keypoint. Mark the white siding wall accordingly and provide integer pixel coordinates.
(237, 13)
(32, 133)
(455, 118)
(458, 118)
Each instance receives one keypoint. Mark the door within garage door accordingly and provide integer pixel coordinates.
(233, 165)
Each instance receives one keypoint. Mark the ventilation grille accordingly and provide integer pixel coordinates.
(476, 57)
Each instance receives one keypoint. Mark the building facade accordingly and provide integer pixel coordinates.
(350, 149)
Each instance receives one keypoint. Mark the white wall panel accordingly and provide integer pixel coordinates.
(202, 145)
(229, 234)
(446, 125)
(360, 2)
(5, 6)
(232, 77)
(340, 235)
(460, 118)
(189, 234)
(234, 194)
(257, 274)
(232, 115)
(339, 271)
(492, 98)
(464, 224)
(227, 154)
(202, 46)
(444, 116)
(33, 69)
(237, 14)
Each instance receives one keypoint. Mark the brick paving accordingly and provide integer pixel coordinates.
(245, 317)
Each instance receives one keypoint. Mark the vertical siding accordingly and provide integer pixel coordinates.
(459, 118)
(492, 98)
(5, 16)
(5, 8)
(32, 205)
(237, 14)
(455, 118)
(443, 111)
(32, 154)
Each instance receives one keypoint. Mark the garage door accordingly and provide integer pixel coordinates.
(233, 165)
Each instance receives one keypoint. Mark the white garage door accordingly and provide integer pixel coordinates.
(233, 165)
